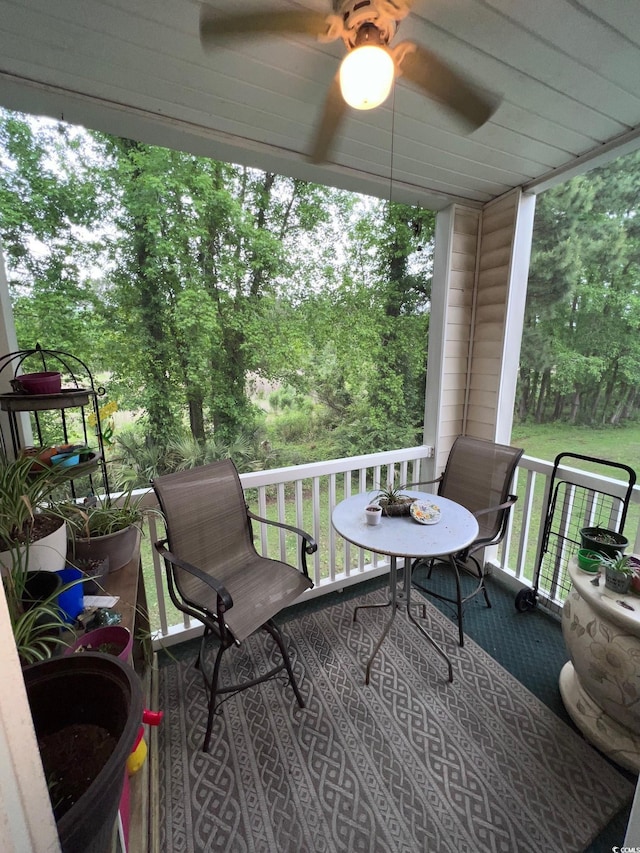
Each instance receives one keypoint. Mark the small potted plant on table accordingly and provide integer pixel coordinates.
(618, 572)
(603, 541)
(392, 501)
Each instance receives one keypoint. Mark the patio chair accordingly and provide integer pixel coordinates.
(215, 574)
(478, 475)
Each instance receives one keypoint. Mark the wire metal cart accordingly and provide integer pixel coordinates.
(571, 504)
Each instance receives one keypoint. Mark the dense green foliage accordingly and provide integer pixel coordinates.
(238, 312)
(188, 281)
(580, 359)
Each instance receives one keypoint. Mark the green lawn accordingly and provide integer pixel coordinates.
(621, 445)
(546, 441)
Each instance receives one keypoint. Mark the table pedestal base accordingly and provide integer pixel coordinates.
(610, 737)
(394, 604)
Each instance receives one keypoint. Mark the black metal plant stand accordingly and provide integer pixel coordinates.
(78, 397)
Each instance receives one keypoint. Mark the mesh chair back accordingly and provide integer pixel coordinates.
(207, 523)
(478, 475)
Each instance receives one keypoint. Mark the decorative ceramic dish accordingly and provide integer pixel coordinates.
(425, 513)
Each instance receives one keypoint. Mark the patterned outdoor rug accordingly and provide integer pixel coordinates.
(410, 763)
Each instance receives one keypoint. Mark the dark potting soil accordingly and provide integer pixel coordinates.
(41, 526)
(105, 648)
(72, 758)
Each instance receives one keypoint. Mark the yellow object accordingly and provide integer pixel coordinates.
(137, 757)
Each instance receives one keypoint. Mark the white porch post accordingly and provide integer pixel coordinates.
(27, 824)
(514, 319)
(433, 412)
(9, 343)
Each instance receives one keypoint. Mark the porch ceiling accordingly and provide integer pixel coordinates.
(566, 70)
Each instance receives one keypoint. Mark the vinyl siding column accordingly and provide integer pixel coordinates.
(478, 297)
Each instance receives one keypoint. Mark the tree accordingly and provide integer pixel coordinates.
(580, 357)
(50, 202)
(203, 275)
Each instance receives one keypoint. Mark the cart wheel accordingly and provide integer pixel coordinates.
(525, 600)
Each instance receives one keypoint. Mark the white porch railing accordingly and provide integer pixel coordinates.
(305, 496)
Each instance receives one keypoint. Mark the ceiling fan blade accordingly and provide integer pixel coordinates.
(440, 82)
(215, 27)
(330, 121)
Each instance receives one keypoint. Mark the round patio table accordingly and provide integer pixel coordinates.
(401, 536)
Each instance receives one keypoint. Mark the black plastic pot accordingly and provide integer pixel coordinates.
(591, 538)
(95, 572)
(95, 689)
(38, 587)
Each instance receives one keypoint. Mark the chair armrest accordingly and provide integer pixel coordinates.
(308, 544)
(311, 546)
(222, 593)
(506, 505)
(423, 483)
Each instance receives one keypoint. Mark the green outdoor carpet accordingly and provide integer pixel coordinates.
(408, 764)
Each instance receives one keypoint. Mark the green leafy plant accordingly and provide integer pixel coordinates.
(621, 563)
(603, 536)
(39, 629)
(25, 496)
(392, 494)
(102, 516)
(27, 513)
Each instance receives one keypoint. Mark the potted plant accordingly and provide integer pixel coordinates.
(107, 639)
(392, 501)
(618, 572)
(33, 549)
(36, 619)
(87, 709)
(32, 534)
(104, 527)
(603, 540)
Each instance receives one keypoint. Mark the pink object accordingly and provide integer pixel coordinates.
(125, 811)
(108, 634)
(47, 382)
(152, 718)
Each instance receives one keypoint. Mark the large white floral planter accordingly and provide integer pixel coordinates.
(48, 554)
(600, 686)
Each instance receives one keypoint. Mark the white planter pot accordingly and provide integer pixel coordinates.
(48, 554)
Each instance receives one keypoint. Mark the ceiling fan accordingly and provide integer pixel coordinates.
(367, 73)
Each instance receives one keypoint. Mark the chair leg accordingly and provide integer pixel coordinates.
(213, 691)
(481, 578)
(456, 572)
(273, 629)
(203, 640)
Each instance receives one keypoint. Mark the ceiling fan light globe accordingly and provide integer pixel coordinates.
(366, 77)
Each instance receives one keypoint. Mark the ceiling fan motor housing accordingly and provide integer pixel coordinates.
(381, 14)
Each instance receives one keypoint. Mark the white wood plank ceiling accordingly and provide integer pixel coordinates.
(567, 71)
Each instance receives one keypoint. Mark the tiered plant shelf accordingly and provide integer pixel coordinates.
(76, 407)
